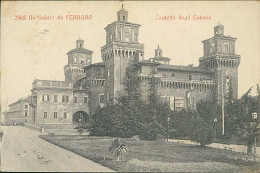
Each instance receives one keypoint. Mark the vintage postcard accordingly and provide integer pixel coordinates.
(130, 86)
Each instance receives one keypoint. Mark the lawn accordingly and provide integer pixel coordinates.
(156, 156)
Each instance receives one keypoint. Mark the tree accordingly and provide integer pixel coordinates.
(246, 130)
(181, 123)
(247, 133)
(208, 110)
(130, 115)
(202, 132)
(131, 84)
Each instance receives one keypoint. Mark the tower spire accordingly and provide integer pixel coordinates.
(122, 14)
(158, 52)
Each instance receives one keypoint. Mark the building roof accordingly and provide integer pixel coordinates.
(185, 68)
(121, 22)
(122, 9)
(220, 36)
(50, 84)
(147, 62)
(161, 58)
(99, 64)
(80, 50)
(23, 99)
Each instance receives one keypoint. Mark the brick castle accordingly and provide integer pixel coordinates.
(88, 85)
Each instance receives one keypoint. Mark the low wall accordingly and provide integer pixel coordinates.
(39, 129)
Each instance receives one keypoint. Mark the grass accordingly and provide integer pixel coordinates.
(156, 156)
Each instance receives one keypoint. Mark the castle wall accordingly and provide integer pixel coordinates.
(181, 89)
(82, 103)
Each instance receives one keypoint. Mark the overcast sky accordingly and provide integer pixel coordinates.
(28, 51)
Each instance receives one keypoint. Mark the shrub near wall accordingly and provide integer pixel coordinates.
(202, 132)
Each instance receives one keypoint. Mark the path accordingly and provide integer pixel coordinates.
(23, 151)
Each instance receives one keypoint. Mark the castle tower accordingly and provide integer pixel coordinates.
(122, 49)
(77, 59)
(158, 52)
(220, 56)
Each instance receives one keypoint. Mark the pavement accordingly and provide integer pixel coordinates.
(23, 151)
(231, 147)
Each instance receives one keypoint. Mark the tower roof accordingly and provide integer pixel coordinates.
(79, 39)
(80, 50)
(158, 48)
(122, 15)
(122, 10)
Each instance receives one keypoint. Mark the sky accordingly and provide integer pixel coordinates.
(37, 48)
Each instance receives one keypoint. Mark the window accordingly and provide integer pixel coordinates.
(101, 98)
(65, 115)
(119, 35)
(123, 17)
(45, 98)
(25, 114)
(178, 103)
(80, 45)
(108, 72)
(55, 115)
(82, 61)
(45, 115)
(109, 98)
(55, 98)
(164, 75)
(85, 99)
(65, 98)
(102, 72)
(75, 99)
(173, 74)
(226, 48)
(190, 77)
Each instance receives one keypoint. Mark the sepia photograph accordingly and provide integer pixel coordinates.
(130, 86)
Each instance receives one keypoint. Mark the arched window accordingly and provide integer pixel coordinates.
(123, 17)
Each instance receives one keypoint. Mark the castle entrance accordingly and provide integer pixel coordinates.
(80, 117)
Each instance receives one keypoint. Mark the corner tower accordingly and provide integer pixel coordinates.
(220, 56)
(121, 50)
(78, 58)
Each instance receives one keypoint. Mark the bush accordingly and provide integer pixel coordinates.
(80, 130)
(201, 132)
(117, 149)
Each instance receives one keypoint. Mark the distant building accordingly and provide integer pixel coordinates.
(19, 112)
(88, 86)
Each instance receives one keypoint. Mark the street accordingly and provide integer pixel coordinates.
(23, 151)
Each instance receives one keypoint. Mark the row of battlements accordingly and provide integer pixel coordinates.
(172, 79)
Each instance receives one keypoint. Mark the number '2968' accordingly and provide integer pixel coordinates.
(20, 17)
